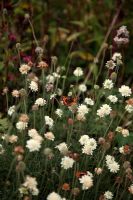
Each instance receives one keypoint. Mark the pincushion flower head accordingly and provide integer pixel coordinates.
(33, 86)
(54, 196)
(89, 101)
(33, 145)
(24, 69)
(49, 136)
(40, 102)
(104, 110)
(125, 91)
(108, 84)
(112, 165)
(82, 88)
(86, 181)
(67, 162)
(62, 147)
(78, 72)
(49, 121)
(113, 98)
(108, 195)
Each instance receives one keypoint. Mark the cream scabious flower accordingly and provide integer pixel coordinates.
(11, 110)
(125, 91)
(54, 196)
(113, 98)
(116, 56)
(108, 84)
(49, 136)
(67, 162)
(40, 102)
(24, 68)
(33, 86)
(21, 125)
(49, 121)
(82, 88)
(83, 139)
(89, 101)
(82, 109)
(62, 147)
(129, 108)
(86, 181)
(104, 110)
(112, 165)
(35, 135)
(33, 145)
(108, 195)
(78, 72)
(125, 132)
(59, 112)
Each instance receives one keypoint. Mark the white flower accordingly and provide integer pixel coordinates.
(21, 125)
(129, 108)
(53, 95)
(89, 146)
(34, 135)
(49, 136)
(116, 56)
(125, 91)
(50, 79)
(108, 84)
(13, 138)
(56, 75)
(33, 145)
(62, 147)
(82, 88)
(112, 165)
(121, 150)
(67, 162)
(24, 68)
(78, 72)
(54, 196)
(59, 112)
(40, 102)
(125, 132)
(104, 110)
(33, 86)
(113, 98)
(84, 139)
(31, 184)
(49, 121)
(87, 182)
(108, 195)
(131, 189)
(82, 109)
(11, 110)
(110, 64)
(89, 101)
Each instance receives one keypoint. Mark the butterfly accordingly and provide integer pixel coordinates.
(69, 101)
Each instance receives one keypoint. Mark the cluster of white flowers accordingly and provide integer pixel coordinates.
(20, 125)
(82, 110)
(89, 101)
(129, 108)
(54, 196)
(82, 88)
(31, 185)
(89, 144)
(33, 86)
(108, 84)
(34, 144)
(50, 79)
(49, 136)
(49, 121)
(112, 165)
(125, 91)
(11, 110)
(24, 68)
(112, 98)
(59, 112)
(78, 72)
(67, 162)
(104, 110)
(108, 195)
(40, 102)
(86, 181)
(62, 147)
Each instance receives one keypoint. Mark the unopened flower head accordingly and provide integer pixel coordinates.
(67, 162)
